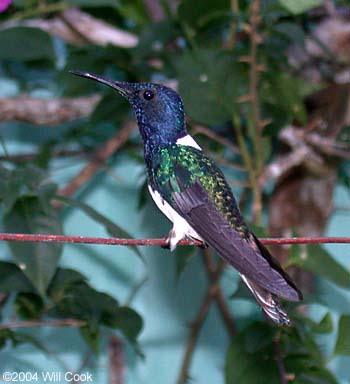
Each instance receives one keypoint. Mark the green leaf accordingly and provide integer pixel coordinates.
(112, 228)
(38, 261)
(332, 297)
(63, 281)
(91, 334)
(17, 338)
(258, 337)
(255, 365)
(320, 262)
(29, 305)
(22, 181)
(25, 43)
(182, 257)
(12, 279)
(210, 92)
(111, 109)
(300, 6)
(315, 375)
(242, 292)
(197, 14)
(342, 346)
(129, 322)
(292, 31)
(284, 91)
(83, 302)
(325, 325)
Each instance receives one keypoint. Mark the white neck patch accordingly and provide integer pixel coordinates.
(188, 141)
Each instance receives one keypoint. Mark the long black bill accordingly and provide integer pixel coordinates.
(123, 88)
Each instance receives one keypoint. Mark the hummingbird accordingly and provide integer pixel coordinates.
(192, 192)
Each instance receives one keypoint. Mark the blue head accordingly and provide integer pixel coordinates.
(158, 109)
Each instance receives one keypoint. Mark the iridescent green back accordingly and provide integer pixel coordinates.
(176, 167)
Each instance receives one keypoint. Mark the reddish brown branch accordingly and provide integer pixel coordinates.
(79, 28)
(193, 337)
(198, 129)
(46, 112)
(100, 156)
(31, 156)
(42, 323)
(214, 273)
(158, 242)
(280, 363)
(116, 360)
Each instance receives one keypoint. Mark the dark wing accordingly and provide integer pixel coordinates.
(192, 201)
(194, 204)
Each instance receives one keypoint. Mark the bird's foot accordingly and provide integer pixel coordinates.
(203, 245)
(168, 241)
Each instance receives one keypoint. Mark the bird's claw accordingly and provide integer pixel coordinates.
(203, 245)
(167, 241)
(166, 245)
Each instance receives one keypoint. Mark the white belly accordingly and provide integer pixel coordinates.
(181, 229)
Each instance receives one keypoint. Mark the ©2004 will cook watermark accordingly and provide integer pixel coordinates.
(46, 377)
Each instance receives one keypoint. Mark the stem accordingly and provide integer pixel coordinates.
(40, 323)
(232, 35)
(254, 114)
(195, 329)
(214, 273)
(252, 172)
(24, 237)
(98, 159)
(42, 9)
(279, 359)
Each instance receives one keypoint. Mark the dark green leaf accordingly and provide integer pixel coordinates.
(22, 181)
(83, 302)
(111, 109)
(325, 325)
(91, 334)
(284, 91)
(210, 92)
(242, 291)
(17, 338)
(293, 32)
(29, 305)
(320, 262)
(197, 14)
(97, 308)
(257, 367)
(12, 279)
(38, 261)
(128, 321)
(332, 297)
(63, 281)
(25, 43)
(342, 346)
(300, 6)
(258, 337)
(315, 375)
(182, 257)
(112, 228)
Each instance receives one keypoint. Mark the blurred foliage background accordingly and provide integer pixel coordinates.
(266, 88)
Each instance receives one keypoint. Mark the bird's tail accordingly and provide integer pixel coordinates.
(269, 303)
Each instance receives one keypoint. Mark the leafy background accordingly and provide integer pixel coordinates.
(266, 91)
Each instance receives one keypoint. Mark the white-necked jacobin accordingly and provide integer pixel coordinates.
(192, 192)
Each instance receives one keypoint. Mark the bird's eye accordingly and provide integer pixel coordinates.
(148, 95)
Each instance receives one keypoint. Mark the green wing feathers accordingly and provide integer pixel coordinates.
(189, 165)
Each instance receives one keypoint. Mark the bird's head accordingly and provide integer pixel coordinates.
(158, 109)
